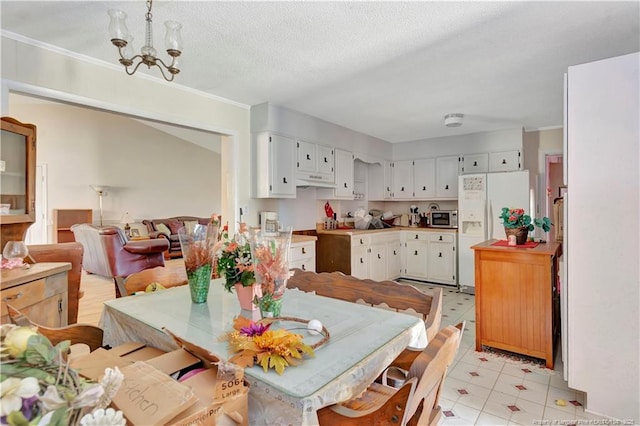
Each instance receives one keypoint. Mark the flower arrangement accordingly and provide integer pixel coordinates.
(271, 266)
(39, 388)
(257, 342)
(516, 218)
(233, 259)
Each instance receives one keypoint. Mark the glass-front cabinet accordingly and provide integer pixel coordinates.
(17, 178)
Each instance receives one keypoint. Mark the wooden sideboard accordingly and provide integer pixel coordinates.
(517, 298)
(39, 292)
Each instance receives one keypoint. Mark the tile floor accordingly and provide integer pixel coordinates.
(485, 389)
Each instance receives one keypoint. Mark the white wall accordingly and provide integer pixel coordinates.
(147, 173)
(36, 69)
(603, 284)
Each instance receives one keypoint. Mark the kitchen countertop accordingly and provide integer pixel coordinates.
(375, 231)
(302, 238)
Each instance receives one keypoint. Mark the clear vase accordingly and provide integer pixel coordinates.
(197, 250)
(270, 254)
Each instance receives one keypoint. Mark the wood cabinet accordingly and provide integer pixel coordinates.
(63, 219)
(274, 165)
(17, 179)
(517, 298)
(40, 292)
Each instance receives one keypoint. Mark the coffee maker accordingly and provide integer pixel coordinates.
(414, 217)
(269, 223)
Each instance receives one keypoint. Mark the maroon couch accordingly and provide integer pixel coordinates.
(168, 228)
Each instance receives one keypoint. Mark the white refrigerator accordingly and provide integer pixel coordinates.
(481, 198)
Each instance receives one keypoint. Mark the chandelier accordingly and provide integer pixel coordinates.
(121, 38)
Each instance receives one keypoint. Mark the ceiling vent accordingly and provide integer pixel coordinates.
(453, 120)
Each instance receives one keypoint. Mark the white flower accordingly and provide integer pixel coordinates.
(102, 417)
(111, 382)
(12, 390)
(51, 399)
(88, 397)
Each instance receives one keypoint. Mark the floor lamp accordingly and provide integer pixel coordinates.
(100, 191)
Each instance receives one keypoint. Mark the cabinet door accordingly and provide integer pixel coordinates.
(402, 179)
(378, 262)
(282, 161)
(474, 163)
(447, 178)
(424, 178)
(441, 265)
(388, 180)
(344, 174)
(360, 262)
(416, 259)
(324, 159)
(306, 156)
(394, 262)
(505, 161)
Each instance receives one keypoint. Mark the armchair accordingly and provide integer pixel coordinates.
(110, 254)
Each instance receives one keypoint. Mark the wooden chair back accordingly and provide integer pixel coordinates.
(430, 368)
(76, 333)
(166, 275)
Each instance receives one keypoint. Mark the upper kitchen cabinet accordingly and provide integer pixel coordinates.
(474, 163)
(505, 161)
(402, 178)
(274, 161)
(379, 180)
(447, 177)
(344, 174)
(315, 162)
(424, 178)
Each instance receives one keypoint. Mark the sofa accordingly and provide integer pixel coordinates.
(64, 252)
(168, 228)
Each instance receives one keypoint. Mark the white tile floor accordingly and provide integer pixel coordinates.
(485, 389)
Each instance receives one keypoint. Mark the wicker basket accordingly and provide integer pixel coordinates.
(520, 233)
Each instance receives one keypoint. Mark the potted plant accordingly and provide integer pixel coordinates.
(517, 223)
(235, 266)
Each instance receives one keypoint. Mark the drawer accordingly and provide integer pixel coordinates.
(441, 238)
(360, 240)
(417, 236)
(23, 295)
(304, 264)
(303, 251)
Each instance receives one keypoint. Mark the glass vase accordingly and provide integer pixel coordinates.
(270, 255)
(197, 250)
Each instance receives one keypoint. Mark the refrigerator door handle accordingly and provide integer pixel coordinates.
(489, 220)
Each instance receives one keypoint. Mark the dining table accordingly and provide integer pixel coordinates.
(363, 341)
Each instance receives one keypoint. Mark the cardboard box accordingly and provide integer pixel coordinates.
(213, 394)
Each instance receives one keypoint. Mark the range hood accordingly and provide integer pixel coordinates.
(306, 180)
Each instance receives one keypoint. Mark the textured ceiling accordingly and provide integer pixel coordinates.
(387, 69)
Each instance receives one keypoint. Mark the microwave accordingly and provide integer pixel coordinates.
(443, 218)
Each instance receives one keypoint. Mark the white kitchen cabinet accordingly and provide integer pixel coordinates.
(360, 262)
(447, 177)
(415, 265)
(314, 162)
(378, 261)
(441, 266)
(344, 174)
(474, 163)
(424, 178)
(302, 255)
(402, 172)
(505, 161)
(394, 259)
(274, 165)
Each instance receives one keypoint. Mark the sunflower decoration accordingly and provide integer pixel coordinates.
(256, 342)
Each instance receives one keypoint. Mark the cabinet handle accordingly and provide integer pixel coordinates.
(440, 239)
(60, 305)
(504, 161)
(304, 251)
(415, 253)
(446, 187)
(388, 190)
(308, 158)
(379, 256)
(361, 242)
(424, 188)
(475, 164)
(14, 297)
(440, 254)
(394, 253)
(416, 237)
(402, 189)
(284, 180)
(303, 267)
(325, 160)
(361, 261)
(345, 184)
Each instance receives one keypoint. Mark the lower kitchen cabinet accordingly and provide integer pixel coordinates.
(415, 259)
(442, 258)
(430, 256)
(302, 255)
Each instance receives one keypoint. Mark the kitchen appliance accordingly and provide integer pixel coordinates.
(414, 217)
(443, 219)
(481, 198)
(269, 224)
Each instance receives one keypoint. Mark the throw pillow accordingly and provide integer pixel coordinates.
(163, 228)
(190, 225)
(174, 225)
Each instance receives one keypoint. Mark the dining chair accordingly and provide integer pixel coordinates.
(167, 276)
(75, 333)
(426, 374)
